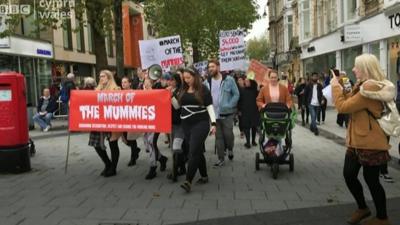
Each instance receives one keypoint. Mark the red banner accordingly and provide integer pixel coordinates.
(128, 110)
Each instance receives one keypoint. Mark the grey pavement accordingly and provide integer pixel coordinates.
(47, 195)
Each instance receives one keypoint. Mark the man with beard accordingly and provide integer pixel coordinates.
(313, 95)
(225, 95)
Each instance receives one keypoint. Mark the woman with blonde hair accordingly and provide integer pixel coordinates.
(96, 139)
(367, 144)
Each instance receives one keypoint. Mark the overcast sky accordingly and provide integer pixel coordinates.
(260, 26)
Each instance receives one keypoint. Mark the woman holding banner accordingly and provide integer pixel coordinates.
(130, 138)
(106, 83)
(196, 113)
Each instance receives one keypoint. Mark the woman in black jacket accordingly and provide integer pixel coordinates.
(250, 117)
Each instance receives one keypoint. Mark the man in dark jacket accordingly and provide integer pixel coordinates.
(46, 107)
(65, 93)
(313, 95)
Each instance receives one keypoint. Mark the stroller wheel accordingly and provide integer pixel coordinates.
(291, 162)
(275, 170)
(257, 161)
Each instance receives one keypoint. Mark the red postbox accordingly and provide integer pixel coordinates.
(14, 137)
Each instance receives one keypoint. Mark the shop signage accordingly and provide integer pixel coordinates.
(352, 33)
(43, 52)
(394, 20)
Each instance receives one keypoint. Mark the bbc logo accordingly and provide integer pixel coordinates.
(15, 9)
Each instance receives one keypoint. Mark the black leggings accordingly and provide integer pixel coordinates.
(253, 134)
(195, 135)
(371, 177)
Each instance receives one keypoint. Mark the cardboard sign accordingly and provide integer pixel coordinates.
(201, 67)
(232, 50)
(125, 110)
(257, 71)
(165, 52)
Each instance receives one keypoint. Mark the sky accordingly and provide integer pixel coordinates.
(261, 25)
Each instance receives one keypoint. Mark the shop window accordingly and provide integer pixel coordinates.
(28, 26)
(348, 57)
(27, 69)
(8, 63)
(43, 71)
(373, 48)
(394, 59)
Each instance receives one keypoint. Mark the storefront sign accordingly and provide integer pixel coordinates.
(352, 33)
(232, 50)
(166, 52)
(142, 111)
(394, 20)
(43, 52)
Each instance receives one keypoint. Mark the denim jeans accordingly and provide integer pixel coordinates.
(44, 120)
(313, 112)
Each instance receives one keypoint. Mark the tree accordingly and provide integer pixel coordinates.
(258, 48)
(198, 22)
(99, 15)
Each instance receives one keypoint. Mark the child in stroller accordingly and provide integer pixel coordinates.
(277, 122)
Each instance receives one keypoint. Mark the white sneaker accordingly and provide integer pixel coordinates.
(46, 129)
(387, 178)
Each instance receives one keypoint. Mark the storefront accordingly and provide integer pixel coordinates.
(31, 58)
(320, 64)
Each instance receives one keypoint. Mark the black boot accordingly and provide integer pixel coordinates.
(134, 155)
(174, 174)
(114, 159)
(163, 163)
(152, 173)
(104, 157)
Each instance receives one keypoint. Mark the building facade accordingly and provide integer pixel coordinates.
(331, 33)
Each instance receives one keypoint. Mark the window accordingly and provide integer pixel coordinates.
(110, 45)
(28, 27)
(90, 38)
(80, 36)
(320, 18)
(305, 21)
(348, 10)
(351, 9)
(289, 32)
(67, 34)
(373, 48)
(348, 56)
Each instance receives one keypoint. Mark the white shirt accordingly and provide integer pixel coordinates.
(314, 99)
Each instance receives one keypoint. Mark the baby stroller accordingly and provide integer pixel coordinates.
(277, 122)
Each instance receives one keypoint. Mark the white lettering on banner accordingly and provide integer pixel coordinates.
(89, 111)
(109, 97)
(232, 50)
(126, 112)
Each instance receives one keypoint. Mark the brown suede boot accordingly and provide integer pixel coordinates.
(376, 221)
(358, 215)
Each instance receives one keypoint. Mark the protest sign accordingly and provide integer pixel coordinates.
(232, 50)
(257, 71)
(125, 110)
(165, 52)
(201, 67)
